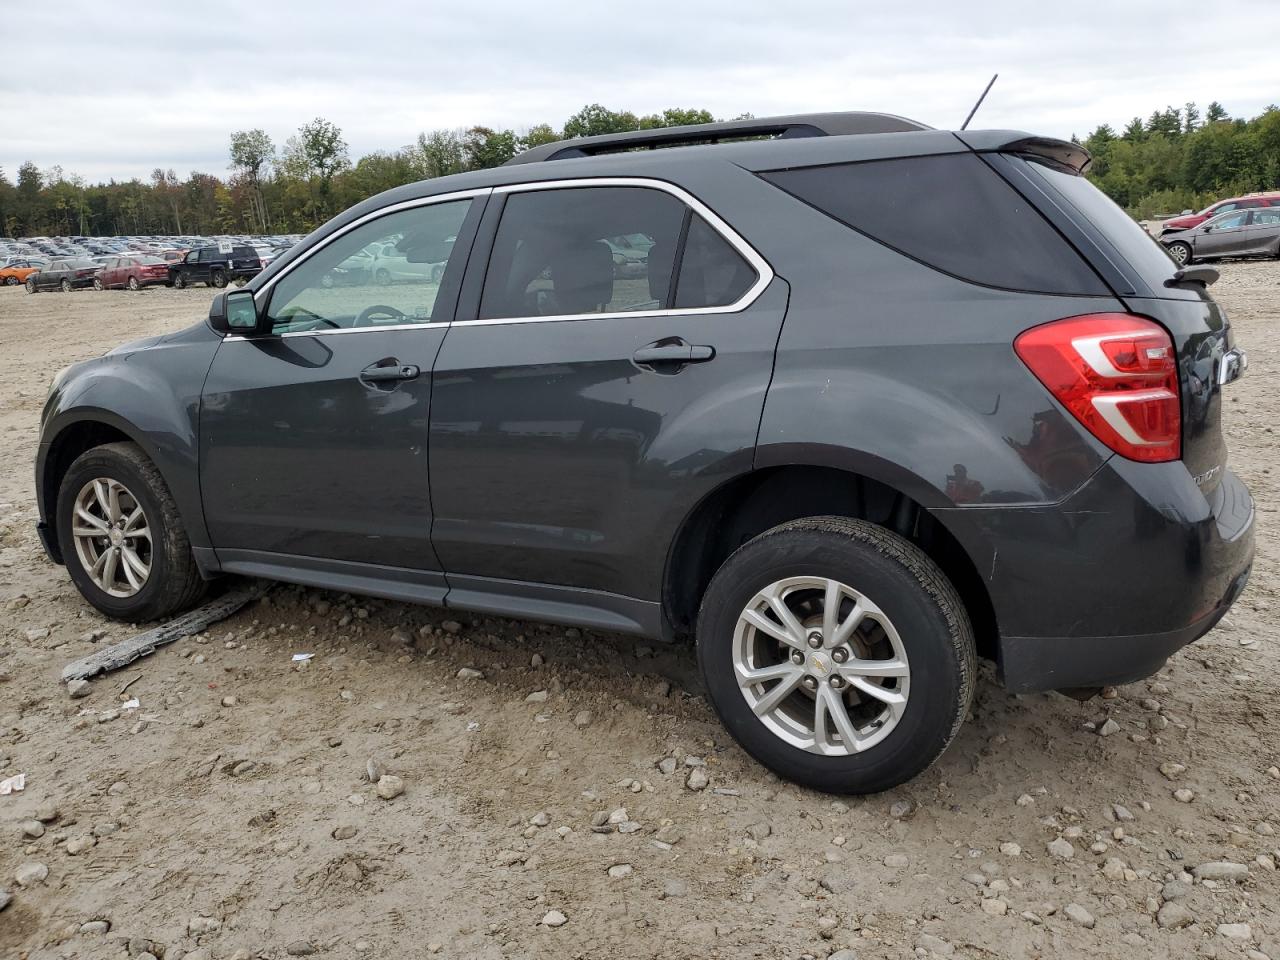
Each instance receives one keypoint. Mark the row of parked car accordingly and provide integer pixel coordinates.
(1246, 226)
(42, 263)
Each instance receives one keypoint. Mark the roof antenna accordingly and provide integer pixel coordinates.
(979, 103)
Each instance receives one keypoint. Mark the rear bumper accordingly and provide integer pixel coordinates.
(1103, 587)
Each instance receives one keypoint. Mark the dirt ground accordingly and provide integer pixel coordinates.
(230, 814)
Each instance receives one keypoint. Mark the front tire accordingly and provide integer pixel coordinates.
(31, 287)
(66, 286)
(180, 281)
(837, 654)
(98, 285)
(134, 285)
(122, 538)
(1181, 253)
(218, 279)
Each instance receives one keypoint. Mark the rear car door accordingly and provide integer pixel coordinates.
(583, 405)
(314, 436)
(1263, 231)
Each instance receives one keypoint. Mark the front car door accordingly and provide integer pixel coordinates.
(582, 406)
(1223, 235)
(314, 436)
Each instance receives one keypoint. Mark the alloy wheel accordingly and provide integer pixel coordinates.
(821, 665)
(112, 537)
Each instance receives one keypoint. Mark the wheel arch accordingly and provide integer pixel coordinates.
(749, 504)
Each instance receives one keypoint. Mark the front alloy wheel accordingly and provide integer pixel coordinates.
(1181, 253)
(113, 541)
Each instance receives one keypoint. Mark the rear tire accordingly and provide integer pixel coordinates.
(134, 285)
(382, 278)
(31, 286)
(172, 581)
(97, 284)
(180, 281)
(11, 281)
(217, 279)
(66, 286)
(917, 629)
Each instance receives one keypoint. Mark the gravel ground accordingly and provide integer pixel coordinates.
(481, 788)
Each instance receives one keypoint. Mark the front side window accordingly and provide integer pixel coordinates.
(386, 272)
(583, 250)
(1235, 220)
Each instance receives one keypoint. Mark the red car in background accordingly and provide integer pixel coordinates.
(1189, 220)
(135, 272)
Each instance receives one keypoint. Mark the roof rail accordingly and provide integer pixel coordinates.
(796, 125)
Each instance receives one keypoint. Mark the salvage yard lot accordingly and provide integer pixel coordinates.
(579, 799)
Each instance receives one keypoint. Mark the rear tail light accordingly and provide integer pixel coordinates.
(1117, 374)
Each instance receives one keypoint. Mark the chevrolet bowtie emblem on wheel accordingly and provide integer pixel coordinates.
(818, 664)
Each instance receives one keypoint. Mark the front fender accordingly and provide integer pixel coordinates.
(152, 396)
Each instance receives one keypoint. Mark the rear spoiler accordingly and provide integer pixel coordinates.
(1063, 152)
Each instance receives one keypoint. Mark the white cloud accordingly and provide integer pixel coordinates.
(134, 87)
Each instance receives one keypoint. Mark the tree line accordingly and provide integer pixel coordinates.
(1173, 160)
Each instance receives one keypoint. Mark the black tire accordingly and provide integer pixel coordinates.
(383, 277)
(1181, 252)
(31, 286)
(66, 285)
(174, 582)
(98, 284)
(911, 590)
(180, 281)
(134, 285)
(217, 278)
(11, 281)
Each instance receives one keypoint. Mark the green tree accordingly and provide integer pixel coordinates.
(1216, 113)
(676, 117)
(484, 148)
(440, 153)
(251, 153)
(594, 120)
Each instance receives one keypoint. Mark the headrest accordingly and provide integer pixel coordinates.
(582, 277)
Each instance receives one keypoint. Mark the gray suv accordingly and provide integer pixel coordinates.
(869, 401)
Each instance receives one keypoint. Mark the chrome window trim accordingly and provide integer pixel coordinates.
(764, 272)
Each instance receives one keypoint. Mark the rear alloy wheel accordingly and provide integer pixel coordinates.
(1180, 252)
(217, 279)
(97, 284)
(837, 654)
(121, 536)
(66, 285)
(133, 284)
(382, 278)
(31, 286)
(11, 281)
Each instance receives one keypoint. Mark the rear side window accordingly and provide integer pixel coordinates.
(1144, 254)
(950, 212)
(712, 273)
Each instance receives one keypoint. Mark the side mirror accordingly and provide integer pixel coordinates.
(234, 312)
(1207, 230)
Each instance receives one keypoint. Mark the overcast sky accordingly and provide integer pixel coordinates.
(117, 89)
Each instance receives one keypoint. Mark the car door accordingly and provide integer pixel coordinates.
(1223, 235)
(1264, 227)
(581, 410)
(314, 435)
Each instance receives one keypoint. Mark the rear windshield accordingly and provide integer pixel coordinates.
(1143, 252)
(951, 212)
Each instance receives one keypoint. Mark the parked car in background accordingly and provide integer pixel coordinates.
(1247, 202)
(134, 272)
(215, 267)
(17, 271)
(390, 266)
(65, 275)
(1240, 233)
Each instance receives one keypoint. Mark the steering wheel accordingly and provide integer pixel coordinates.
(292, 313)
(377, 310)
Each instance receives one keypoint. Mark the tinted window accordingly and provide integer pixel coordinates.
(582, 250)
(342, 286)
(1267, 217)
(1139, 248)
(951, 212)
(712, 273)
(1232, 220)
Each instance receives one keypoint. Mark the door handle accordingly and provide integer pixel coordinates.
(676, 351)
(389, 370)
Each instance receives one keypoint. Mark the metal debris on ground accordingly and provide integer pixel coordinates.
(121, 654)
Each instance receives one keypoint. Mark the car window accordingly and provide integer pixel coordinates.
(1234, 220)
(553, 254)
(1225, 208)
(712, 272)
(951, 212)
(336, 288)
(1267, 216)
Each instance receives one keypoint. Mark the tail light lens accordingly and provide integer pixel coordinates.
(1117, 374)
